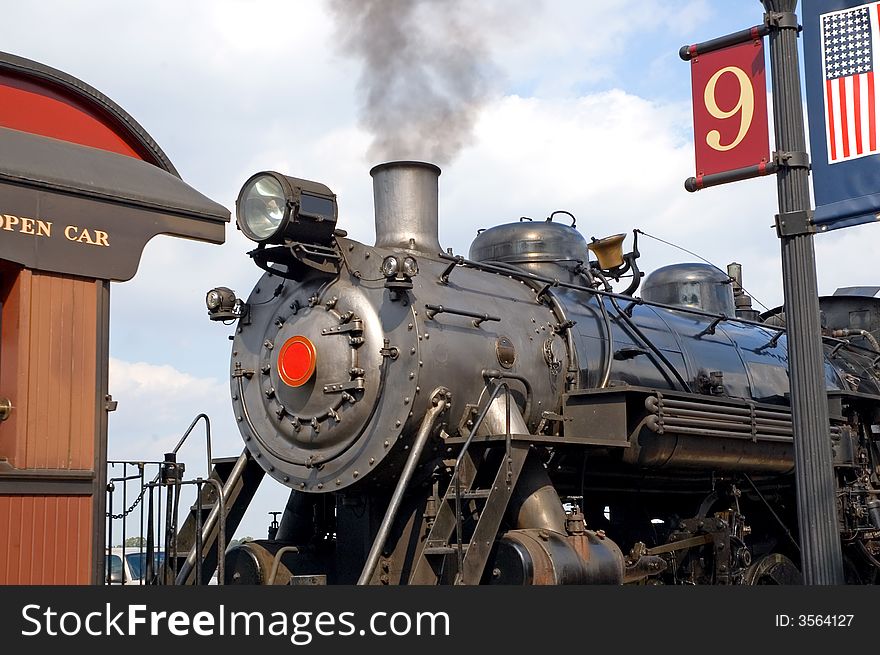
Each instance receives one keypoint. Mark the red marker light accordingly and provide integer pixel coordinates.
(296, 361)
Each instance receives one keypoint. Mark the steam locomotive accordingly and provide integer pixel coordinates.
(508, 418)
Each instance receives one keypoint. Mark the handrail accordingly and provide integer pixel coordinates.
(207, 437)
(216, 516)
(276, 561)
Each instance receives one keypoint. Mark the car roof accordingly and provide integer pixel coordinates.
(131, 550)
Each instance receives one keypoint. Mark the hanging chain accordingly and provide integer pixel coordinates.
(130, 509)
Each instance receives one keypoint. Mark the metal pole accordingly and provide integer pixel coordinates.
(822, 561)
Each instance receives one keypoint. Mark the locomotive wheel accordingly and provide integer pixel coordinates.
(773, 569)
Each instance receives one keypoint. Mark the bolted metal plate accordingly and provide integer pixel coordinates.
(505, 351)
(318, 436)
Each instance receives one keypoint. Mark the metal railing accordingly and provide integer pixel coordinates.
(157, 497)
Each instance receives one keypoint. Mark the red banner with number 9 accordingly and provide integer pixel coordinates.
(730, 108)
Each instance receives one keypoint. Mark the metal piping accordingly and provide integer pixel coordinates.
(535, 503)
(870, 338)
(439, 400)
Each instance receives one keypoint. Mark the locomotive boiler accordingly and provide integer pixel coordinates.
(508, 418)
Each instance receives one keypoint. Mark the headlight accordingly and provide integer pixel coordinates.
(390, 266)
(261, 207)
(410, 267)
(213, 299)
(273, 207)
(223, 305)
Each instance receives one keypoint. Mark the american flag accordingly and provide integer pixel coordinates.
(850, 97)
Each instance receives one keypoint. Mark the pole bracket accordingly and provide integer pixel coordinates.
(781, 20)
(791, 159)
(797, 223)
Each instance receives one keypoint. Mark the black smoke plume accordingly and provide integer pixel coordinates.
(425, 74)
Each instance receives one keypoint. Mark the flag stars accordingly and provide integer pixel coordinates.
(847, 43)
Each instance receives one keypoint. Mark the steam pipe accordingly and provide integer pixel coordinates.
(858, 333)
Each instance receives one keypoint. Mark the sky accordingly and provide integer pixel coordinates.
(585, 106)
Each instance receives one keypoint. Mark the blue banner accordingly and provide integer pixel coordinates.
(841, 60)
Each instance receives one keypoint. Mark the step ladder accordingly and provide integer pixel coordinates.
(469, 516)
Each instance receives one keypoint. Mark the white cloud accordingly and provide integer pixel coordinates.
(156, 404)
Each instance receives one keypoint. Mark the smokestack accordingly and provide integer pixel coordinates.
(405, 198)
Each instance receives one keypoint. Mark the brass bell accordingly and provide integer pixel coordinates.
(609, 251)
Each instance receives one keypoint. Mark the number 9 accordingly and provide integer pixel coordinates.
(745, 106)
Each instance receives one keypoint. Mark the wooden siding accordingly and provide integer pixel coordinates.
(49, 370)
(45, 540)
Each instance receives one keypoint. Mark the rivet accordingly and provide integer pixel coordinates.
(409, 327)
(270, 469)
(406, 401)
(418, 389)
(427, 336)
(420, 362)
(338, 482)
(234, 353)
(238, 330)
(258, 455)
(355, 474)
(372, 461)
(367, 254)
(235, 396)
(397, 424)
(411, 376)
(412, 351)
(320, 485)
(386, 441)
(286, 478)
(302, 485)
(238, 418)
